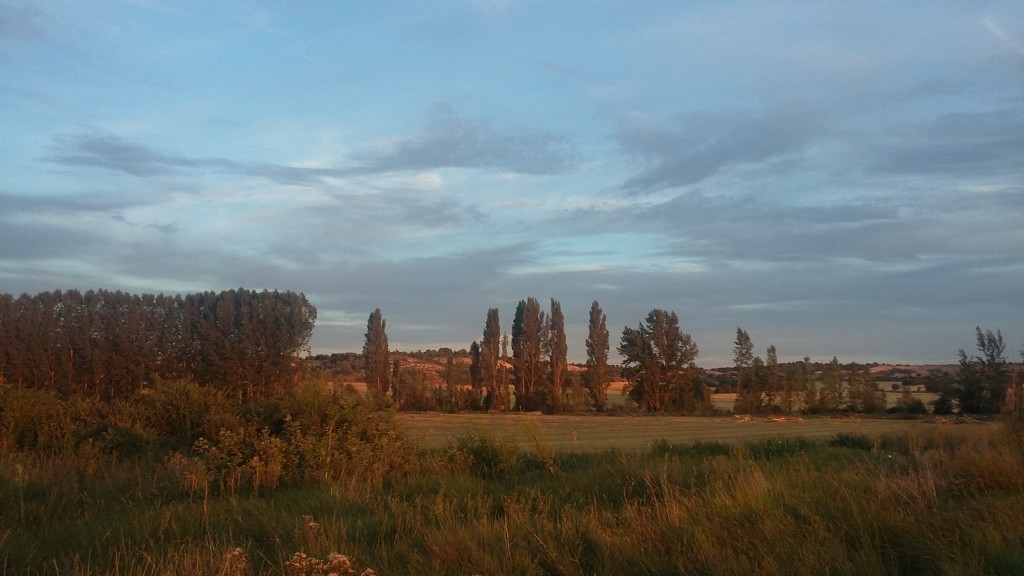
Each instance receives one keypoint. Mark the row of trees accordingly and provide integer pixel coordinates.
(983, 384)
(535, 376)
(658, 364)
(765, 386)
(111, 344)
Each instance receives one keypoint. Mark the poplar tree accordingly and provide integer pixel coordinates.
(597, 357)
(376, 356)
(527, 347)
(490, 353)
(748, 392)
(558, 352)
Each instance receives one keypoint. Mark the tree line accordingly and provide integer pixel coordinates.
(113, 344)
(660, 373)
(529, 370)
(247, 344)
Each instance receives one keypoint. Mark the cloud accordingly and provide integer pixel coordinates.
(26, 23)
(103, 150)
(999, 32)
(448, 142)
(453, 142)
(989, 142)
(99, 149)
(687, 150)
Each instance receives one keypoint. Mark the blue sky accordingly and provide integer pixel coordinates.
(837, 178)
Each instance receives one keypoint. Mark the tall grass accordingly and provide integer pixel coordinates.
(942, 500)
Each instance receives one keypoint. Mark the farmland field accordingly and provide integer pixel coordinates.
(597, 433)
(496, 494)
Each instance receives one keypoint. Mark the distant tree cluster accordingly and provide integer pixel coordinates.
(111, 344)
(983, 380)
(658, 365)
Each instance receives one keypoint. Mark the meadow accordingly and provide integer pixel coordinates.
(497, 494)
(595, 433)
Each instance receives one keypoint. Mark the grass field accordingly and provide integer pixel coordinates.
(598, 433)
(495, 494)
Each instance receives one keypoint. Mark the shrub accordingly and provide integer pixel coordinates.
(33, 419)
(854, 441)
(181, 412)
(481, 453)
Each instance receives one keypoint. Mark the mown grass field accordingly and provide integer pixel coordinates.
(599, 433)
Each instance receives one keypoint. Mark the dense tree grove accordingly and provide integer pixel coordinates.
(112, 344)
(528, 338)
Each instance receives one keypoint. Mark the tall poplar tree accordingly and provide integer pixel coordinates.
(748, 393)
(527, 348)
(597, 357)
(376, 356)
(558, 352)
(774, 379)
(490, 353)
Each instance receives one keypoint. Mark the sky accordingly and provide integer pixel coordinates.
(837, 178)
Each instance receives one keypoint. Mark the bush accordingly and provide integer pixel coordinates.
(34, 419)
(854, 441)
(481, 453)
(181, 412)
(124, 442)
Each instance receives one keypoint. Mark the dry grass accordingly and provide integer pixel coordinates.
(598, 433)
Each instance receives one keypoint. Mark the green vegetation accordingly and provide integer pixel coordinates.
(182, 480)
(658, 364)
(377, 367)
(597, 376)
(156, 435)
(113, 344)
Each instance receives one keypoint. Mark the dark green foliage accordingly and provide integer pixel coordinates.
(907, 404)
(855, 441)
(749, 376)
(778, 448)
(489, 355)
(113, 344)
(658, 363)
(597, 377)
(982, 381)
(33, 420)
(180, 412)
(481, 453)
(663, 449)
(557, 359)
(377, 357)
(528, 338)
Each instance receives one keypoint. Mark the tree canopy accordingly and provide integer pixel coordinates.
(657, 362)
(111, 344)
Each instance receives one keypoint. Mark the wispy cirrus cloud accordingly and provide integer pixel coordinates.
(100, 149)
(450, 141)
(447, 142)
(965, 143)
(678, 151)
(23, 23)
